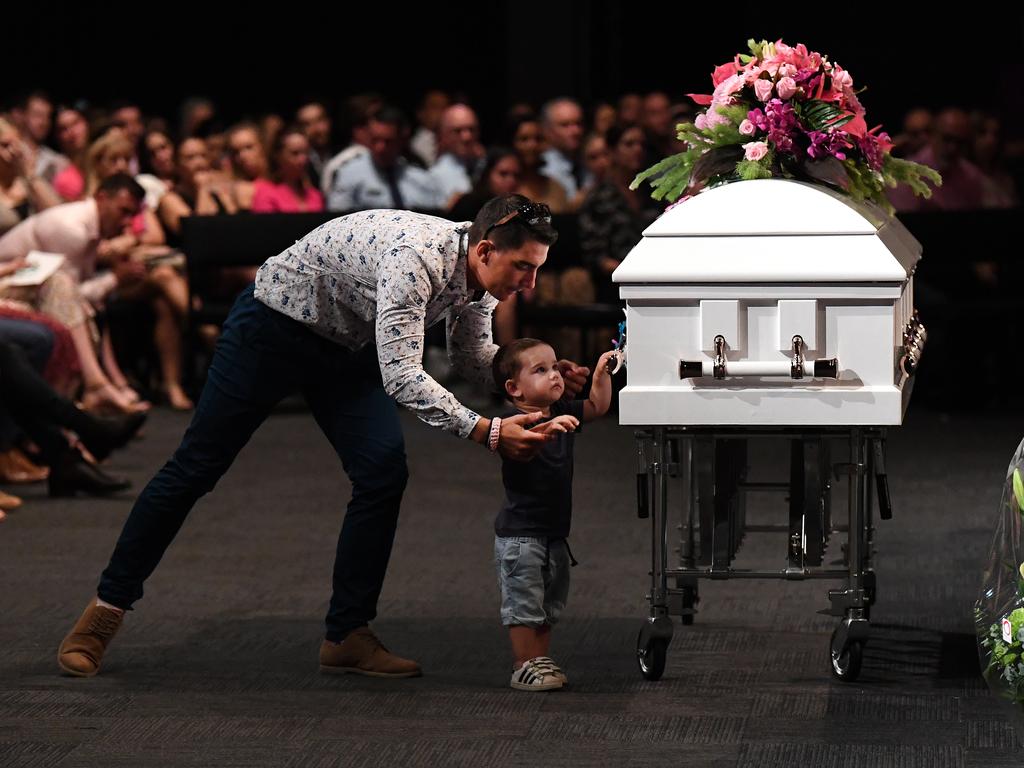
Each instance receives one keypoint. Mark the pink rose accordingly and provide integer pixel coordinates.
(787, 88)
(755, 150)
(763, 90)
(701, 122)
(727, 88)
(747, 128)
(787, 70)
(841, 79)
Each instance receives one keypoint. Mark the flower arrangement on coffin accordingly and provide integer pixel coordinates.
(999, 613)
(783, 111)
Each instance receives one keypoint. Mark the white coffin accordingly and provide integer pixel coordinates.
(758, 262)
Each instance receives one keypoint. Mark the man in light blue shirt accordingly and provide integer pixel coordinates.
(382, 178)
(562, 121)
(460, 153)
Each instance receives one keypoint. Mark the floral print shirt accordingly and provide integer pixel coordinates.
(385, 276)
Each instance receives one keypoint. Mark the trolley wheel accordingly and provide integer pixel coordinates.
(846, 661)
(690, 600)
(651, 657)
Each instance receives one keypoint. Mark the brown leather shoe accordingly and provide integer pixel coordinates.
(363, 654)
(82, 650)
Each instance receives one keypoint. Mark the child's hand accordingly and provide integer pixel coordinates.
(559, 424)
(605, 363)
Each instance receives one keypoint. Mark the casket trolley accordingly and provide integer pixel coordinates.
(766, 309)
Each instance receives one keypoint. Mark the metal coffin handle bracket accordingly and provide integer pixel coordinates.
(796, 368)
(914, 337)
(719, 368)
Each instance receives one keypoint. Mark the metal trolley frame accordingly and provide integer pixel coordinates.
(712, 463)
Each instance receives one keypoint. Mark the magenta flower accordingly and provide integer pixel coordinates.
(782, 124)
(758, 119)
(874, 148)
(828, 144)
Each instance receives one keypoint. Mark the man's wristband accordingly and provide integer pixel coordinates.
(494, 435)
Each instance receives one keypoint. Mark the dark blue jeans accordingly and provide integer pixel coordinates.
(36, 341)
(261, 357)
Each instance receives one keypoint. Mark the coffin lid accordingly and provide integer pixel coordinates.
(772, 230)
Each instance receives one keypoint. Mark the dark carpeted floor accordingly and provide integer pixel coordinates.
(217, 666)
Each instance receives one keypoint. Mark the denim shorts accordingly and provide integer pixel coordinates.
(533, 574)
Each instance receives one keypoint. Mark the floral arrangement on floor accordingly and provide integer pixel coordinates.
(999, 612)
(783, 111)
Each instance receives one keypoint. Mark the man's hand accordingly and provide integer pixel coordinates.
(10, 267)
(558, 425)
(517, 441)
(108, 251)
(575, 377)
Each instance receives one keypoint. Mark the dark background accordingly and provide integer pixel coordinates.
(252, 59)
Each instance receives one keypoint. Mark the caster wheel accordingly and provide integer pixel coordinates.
(651, 657)
(846, 661)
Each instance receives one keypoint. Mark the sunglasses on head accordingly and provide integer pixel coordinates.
(531, 214)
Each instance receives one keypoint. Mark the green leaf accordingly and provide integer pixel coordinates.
(736, 113)
(687, 132)
(749, 170)
(899, 171)
(671, 185)
(658, 168)
(821, 115)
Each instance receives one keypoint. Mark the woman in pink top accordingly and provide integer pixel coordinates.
(162, 286)
(72, 133)
(289, 190)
